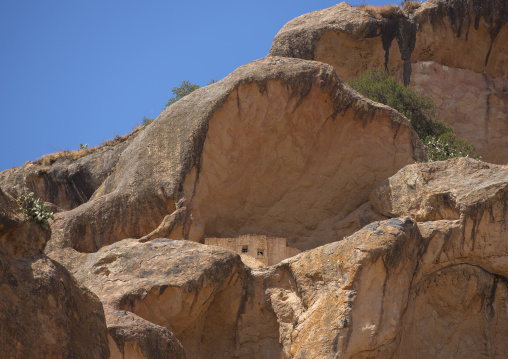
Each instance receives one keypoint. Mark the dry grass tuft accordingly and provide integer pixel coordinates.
(387, 12)
(48, 160)
(410, 7)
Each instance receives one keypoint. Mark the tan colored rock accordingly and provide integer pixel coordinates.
(44, 313)
(233, 158)
(195, 291)
(450, 189)
(395, 289)
(131, 337)
(454, 51)
(65, 179)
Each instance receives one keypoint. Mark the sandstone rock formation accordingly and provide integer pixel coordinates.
(65, 179)
(44, 313)
(409, 266)
(454, 51)
(233, 158)
(195, 291)
(428, 286)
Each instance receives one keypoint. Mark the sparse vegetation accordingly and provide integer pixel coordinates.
(145, 121)
(391, 11)
(439, 138)
(34, 209)
(410, 6)
(184, 89)
(388, 11)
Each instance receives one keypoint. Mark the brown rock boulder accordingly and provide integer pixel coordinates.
(451, 50)
(195, 291)
(133, 337)
(390, 291)
(44, 313)
(233, 158)
(453, 189)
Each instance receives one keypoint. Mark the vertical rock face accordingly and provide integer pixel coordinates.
(233, 158)
(453, 51)
(44, 313)
(429, 282)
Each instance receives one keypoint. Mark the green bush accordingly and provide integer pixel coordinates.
(439, 138)
(35, 210)
(184, 89)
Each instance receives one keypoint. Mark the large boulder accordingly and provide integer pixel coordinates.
(187, 290)
(43, 311)
(454, 51)
(233, 158)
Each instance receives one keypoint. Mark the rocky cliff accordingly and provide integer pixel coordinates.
(401, 258)
(44, 312)
(454, 51)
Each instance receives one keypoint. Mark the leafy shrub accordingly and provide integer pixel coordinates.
(35, 210)
(184, 89)
(439, 138)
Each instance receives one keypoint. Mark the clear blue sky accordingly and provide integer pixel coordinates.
(84, 71)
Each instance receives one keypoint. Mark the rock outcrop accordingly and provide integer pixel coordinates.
(400, 260)
(193, 290)
(454, 51)
(67, 179)
(428, 286)
(44, 313)
(233, 158)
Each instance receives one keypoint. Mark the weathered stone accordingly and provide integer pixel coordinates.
(232, 158)
(66, 179)
(133, 337)
(193, 290)
(450, 189)
(454, 51)
(44, 313)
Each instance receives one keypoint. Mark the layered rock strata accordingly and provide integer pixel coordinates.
(451, 50)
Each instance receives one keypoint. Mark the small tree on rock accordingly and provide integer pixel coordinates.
(184, 89)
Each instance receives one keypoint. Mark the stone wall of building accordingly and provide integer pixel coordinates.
(266, 251)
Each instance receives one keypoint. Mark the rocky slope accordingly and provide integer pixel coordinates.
(451, 50)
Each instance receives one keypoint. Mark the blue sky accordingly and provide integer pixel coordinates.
(84, 71)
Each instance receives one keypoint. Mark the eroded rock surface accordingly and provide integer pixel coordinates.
(454, 51)
(431, 285)
(194, 291)
(68, 179)
(44, 313)
(452, 189)
(233, 158)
